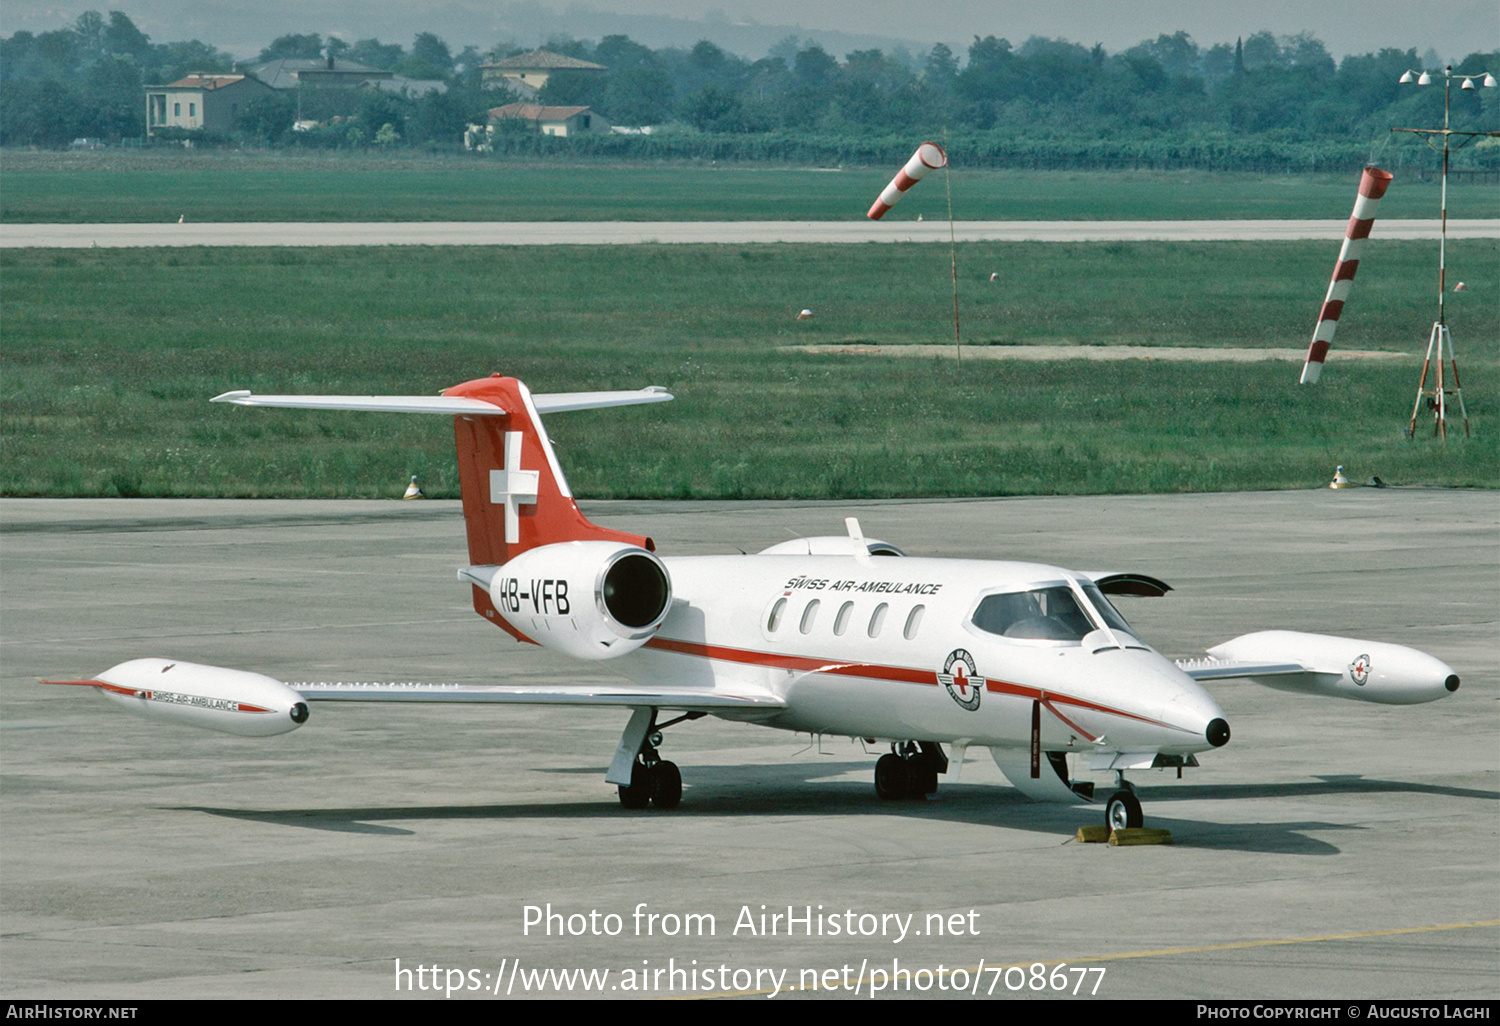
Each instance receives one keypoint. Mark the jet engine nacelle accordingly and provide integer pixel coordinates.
(231, 701)
(1368, 671)
(586, 599)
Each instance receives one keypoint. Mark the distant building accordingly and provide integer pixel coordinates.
(528, 72)
(403, 86)
(559, 121)
(320, 72)
(201, 101)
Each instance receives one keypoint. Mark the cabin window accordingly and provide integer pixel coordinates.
(877, 620)
(913, 621)
(776, 611)
(809, 615)
(1047, 614)
(841, 622)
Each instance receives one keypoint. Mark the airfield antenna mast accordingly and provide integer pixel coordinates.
(1440, 336)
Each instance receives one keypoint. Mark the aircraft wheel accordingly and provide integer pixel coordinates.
(1123, 811)
(891, 779)
(925, 782)
(637, 794)
(666, 785)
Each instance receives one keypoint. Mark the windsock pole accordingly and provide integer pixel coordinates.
(929, 157)
(1372, 186)
(958, 346)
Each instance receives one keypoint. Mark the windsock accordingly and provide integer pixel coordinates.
(1372, 186)
(929, 157)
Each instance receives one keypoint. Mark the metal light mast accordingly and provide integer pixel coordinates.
(1440, 336)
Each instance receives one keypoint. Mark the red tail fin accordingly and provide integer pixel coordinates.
(514, 494)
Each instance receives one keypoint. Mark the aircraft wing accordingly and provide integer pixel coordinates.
(1224, 669)
(686, 699)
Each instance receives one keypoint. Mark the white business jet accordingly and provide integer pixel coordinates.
(830, 635)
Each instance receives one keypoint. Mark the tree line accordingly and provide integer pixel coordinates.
(1262, 102)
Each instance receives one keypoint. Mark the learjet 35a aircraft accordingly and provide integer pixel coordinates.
(831, 635)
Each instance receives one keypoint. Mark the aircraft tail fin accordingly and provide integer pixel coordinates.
(515, 496)
(514, 493)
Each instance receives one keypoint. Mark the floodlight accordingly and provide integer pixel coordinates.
(1406, 79)
(1468, 84)
(1489, 81)
(1426, 79)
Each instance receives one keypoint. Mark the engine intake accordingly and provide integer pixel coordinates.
(544, 594)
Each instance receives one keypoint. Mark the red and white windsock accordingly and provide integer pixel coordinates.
(1372, 186)
(929, 157)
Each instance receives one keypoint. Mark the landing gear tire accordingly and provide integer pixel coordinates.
(1123, 811)
(666, 785)
(924, 782)
(637, 794)
(892, 782)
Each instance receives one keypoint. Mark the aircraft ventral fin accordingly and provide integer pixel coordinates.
(617, 696)
(556, 402)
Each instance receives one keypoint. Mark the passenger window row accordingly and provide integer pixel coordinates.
(843, 617)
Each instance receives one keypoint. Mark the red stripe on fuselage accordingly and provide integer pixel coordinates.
(899, 674)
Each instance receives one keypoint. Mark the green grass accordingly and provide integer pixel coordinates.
(151, 187)
(109, 356)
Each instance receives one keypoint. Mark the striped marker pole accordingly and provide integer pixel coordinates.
(929, 157)
(1372, 186)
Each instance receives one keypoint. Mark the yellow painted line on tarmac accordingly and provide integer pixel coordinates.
(1121, 956)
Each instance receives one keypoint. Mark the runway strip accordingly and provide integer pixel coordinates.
(631, 233)
(1181, 353)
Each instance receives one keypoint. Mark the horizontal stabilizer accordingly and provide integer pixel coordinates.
(614, 695)
(450, 405)
(565, 402)
(556, 402)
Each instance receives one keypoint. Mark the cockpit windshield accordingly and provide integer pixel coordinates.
(1049, 614)
(1106, 610)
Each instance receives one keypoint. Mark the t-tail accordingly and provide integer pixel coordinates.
(516, 501)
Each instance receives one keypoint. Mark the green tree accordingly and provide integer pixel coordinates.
(387, 136)
(375, 54)
(941, 68)
(267, 119)
(123, 38)
(306, 47)
(430, 58)
(712, 109)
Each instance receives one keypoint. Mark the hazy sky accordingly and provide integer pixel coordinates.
(1452, 28)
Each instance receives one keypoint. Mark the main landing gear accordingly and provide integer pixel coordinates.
(910, 770)
(654, 780)
(1123, 810)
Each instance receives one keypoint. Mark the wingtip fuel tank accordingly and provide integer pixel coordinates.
(213, 697)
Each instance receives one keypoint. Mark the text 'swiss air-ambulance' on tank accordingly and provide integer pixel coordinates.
(832, 635)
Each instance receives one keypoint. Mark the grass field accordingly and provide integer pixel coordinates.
(109, 357)
(113, 187)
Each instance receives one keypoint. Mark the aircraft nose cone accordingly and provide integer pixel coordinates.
(1217, 733)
